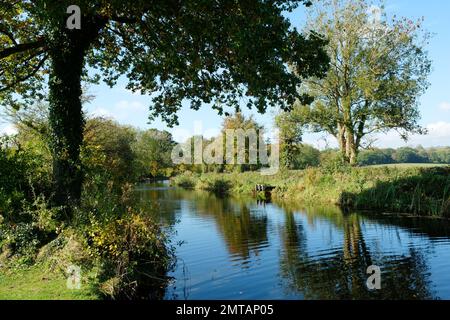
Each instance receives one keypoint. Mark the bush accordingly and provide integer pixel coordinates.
(331, 161)
(215, 184)
(134, 253)
(35, 227)
(24, 173)
(186, 180)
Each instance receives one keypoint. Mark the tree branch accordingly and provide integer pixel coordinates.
(28, 76)
(21, 48)
(9, 35)
(124, 19)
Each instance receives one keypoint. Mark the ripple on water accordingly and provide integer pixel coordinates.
(236, 250)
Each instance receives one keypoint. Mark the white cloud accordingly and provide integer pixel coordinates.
(123, 111)
(440, 130)
(8, 130)
(445, 106)
(438, 135)
(101, 112)
(126, 105)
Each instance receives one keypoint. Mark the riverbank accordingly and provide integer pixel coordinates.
(414, 190)
(36, 283)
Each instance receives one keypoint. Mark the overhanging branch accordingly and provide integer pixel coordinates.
(28, 76)
(9, 35)
(21, 48)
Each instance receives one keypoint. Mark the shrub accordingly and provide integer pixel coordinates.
(35, 226)
(185, 180)
(217, 185)
(134, 254)
(331, 162)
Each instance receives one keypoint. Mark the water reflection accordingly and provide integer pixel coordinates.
(237, 249)
(242, 231)
(341, 274)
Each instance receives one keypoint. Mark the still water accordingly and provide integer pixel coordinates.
(236, 248)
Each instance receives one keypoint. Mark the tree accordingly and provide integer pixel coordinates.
(374, 157)
(107, 149)
(409, 155)
(205, 51)
(440, 155)
(307, 156)
(290, 139)
(153, 152)
(377, 73)
(239, 123)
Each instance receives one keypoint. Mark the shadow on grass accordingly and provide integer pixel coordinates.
(426, 193)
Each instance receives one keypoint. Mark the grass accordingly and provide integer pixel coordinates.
(413, 189)
(36, 283)
(409, 165)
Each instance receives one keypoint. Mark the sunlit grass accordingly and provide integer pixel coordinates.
(410, 165)
(36, 283)
(410, 188)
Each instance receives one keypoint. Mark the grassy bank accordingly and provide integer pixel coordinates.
(411, 189)
(36, 283)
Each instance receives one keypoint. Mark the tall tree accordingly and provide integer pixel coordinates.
(377, 73)
(240, 124)
(290, 138)
(153, 150)
(205, 51)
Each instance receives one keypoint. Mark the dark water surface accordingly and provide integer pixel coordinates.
(239, 249)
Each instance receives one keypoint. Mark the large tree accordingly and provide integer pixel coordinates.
(290, 135)
(153, 149)
(213, 52)
(378, 72)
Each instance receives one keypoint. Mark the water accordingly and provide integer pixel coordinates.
(239, 249)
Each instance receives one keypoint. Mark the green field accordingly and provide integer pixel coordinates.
(410, 165)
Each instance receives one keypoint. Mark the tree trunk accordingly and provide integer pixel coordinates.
(66, 123)
(342, 142)
(67, 52)
(352, 150)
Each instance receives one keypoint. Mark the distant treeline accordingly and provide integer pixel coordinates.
(439, 155)
(307, 156)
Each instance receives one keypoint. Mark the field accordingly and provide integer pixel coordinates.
(410, 165)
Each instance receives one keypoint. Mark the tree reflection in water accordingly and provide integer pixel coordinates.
(291, 244)
(342, 273)
(243, 231)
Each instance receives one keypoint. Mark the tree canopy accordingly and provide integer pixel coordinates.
(205, 52)
(378, 72)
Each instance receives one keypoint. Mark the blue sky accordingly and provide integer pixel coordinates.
(129, 108)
